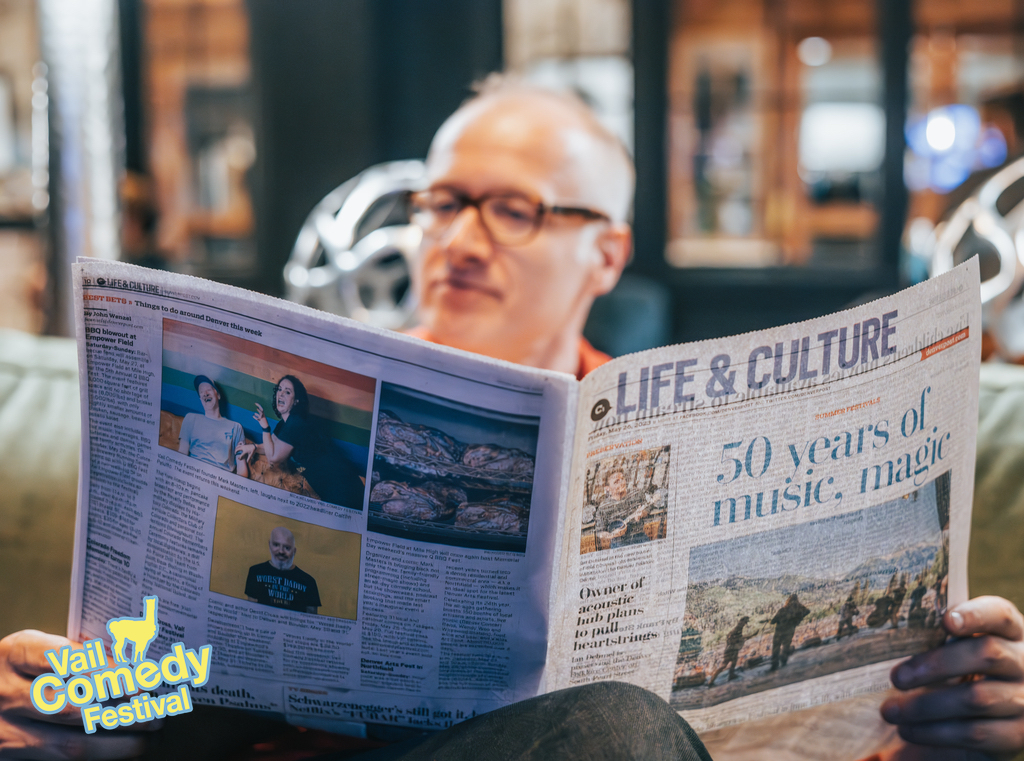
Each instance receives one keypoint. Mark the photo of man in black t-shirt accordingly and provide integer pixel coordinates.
(278, 582)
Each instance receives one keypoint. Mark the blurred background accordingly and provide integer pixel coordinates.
(793, 156)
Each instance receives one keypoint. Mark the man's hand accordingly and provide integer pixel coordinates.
(967, 696)
(26, 733)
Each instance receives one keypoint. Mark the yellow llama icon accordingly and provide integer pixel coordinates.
(139, 631)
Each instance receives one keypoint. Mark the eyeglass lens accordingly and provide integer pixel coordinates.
(508, 218)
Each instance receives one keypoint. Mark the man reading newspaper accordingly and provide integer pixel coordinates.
(525, 224)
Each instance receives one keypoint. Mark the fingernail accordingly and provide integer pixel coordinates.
(956, 620)
(903, 673)
(891, 712)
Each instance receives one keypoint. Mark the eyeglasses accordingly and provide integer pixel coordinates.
(511, 219)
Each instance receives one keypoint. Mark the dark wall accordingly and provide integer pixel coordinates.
(130, 30)
(344, 84)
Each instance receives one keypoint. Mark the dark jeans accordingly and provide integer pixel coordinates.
(607, 720)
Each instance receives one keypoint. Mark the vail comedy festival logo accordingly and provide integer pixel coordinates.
(85, 678)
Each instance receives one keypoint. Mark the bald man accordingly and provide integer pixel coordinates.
(524, 221)
(525, 224)
(278, 581)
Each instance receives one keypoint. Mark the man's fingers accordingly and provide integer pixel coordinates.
(21, 660)
(987, 698)
(31, 739)
(69, 714)
(990, 656)
(985, 615)
(984, 715)
(25, 651)
(989, 735)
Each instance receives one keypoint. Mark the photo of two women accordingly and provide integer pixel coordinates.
(265, 414)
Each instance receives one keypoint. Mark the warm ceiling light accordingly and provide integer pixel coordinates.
(814, 51)
(940, 132)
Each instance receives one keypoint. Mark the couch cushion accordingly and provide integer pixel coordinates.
(996, 563)
(39, 440)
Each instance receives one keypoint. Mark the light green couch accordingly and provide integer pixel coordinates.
(997, 528)
(40, 434)
(40, 430)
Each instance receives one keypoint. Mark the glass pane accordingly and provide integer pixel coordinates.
(201, 145)
(776, 135)
(577, 45)
(24, 164)
(965, 120)
(22, 77)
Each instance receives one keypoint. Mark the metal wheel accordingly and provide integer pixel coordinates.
(353, 254)
(991, 224)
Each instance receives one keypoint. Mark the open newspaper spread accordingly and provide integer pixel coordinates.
(367, 528)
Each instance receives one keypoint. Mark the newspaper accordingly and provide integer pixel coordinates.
(805, 495)
(370, 529)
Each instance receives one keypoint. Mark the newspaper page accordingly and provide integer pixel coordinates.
(383, 556)
(767, 522)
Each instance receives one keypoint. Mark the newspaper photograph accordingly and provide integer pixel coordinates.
(817, 503)
(435, 478)
(626, 500)
(844, 592)
(256, 557)
(217, 389)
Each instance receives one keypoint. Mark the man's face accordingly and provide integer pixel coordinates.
(208, 397)
(282, 549)
(507, 300)
(617, 487)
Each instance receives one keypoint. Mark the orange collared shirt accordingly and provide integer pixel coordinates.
(590, 358)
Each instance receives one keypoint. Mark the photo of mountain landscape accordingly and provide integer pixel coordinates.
(795, 603)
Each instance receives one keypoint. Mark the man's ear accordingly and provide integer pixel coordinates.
(615, 246)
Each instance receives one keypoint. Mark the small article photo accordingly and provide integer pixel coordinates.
(796, 603)
(626, 500)
(284, 563)
(451, 473)
(264, 414)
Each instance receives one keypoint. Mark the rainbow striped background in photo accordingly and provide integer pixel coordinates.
(246, 373)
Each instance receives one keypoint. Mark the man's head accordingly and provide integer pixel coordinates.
(616, 484)
(209, 396)
(525, 300)
(282, 548)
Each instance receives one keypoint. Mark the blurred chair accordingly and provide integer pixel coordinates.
(635, 316)
(990, 224)
(352, 255)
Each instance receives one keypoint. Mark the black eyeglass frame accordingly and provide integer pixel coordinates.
(541, 209)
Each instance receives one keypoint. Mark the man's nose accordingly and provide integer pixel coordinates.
(466, 241)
